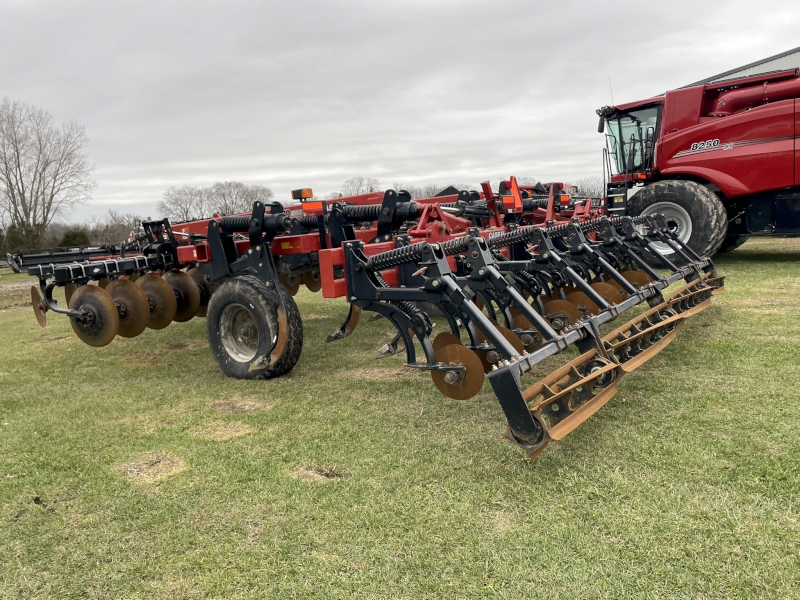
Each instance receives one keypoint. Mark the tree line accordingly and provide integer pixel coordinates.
(45, 172)
(189, 202)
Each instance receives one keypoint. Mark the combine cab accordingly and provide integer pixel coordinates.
(719, 160)
(517, 277)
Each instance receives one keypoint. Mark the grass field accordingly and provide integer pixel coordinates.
(140, 471)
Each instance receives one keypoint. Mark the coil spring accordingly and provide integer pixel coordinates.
(454, 246)
(406, 254)
(528, 277)
(393, 258)
(366, 212)
(309, 222)
(236, 224)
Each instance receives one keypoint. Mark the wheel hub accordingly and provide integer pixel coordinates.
(678, 220)
(239, 333)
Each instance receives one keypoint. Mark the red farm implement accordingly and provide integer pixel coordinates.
(517, 276)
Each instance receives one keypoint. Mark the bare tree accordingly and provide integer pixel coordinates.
(261, 193)
(44, 169)
(231, 197)
(591, 186)
(114, 228)
(184, 203)
(360, 185)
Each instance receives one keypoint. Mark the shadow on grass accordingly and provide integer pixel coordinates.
(758, 256)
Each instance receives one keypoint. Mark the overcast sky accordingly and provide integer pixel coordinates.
(309, 93)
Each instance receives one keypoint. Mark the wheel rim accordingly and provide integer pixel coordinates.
(678, 220)
(239, 333)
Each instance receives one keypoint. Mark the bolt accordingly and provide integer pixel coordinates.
(475, 254)
(385, 211)
(546, 255)
(353, 298)
(554, 407)
(580, 247)
(258, 248)
(492, 356)
(451, 377)
(482, 272)
(436, 283)
(250, 251)
(579, 388)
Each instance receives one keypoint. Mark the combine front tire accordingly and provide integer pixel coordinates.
(243, 324)
(692, 211)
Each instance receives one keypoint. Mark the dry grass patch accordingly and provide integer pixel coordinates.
(150, 467)
(145, 358)
(383, 374)
(238, 406)
(315, 474)
(219, 431)
(175, 346)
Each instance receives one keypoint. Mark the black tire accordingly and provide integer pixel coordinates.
(246, 301)
(705, 211)
(731, 243)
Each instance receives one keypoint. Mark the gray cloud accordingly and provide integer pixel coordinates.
(310, 93)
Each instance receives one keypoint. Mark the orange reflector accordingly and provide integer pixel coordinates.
(302, 194)
(310, 206)
(564, 200)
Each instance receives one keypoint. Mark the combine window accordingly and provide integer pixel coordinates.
(632, 138)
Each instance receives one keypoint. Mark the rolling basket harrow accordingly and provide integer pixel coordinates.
(517, 276)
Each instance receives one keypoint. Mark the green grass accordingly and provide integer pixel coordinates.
(685, 485)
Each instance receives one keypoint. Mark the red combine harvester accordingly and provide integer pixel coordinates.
(720, 161)
(517, 276)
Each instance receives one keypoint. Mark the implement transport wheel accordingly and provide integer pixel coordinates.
(291, 282)
(103, 322)
(694, 213)
(187, 295)
(132, 306)
(244, 322)
(731, 243)
(161, 299)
